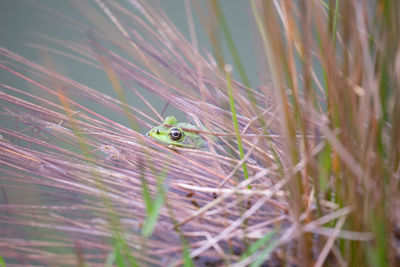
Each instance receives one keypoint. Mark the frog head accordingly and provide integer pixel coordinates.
(173, 133)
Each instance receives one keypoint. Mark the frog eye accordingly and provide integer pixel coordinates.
(158, 132)
(175, 134)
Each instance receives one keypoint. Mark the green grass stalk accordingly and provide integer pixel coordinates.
(235, 121)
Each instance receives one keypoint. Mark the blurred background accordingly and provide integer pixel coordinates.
(24, 22)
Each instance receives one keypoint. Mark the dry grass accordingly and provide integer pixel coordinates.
(313, 181)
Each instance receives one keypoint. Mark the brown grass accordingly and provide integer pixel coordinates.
(320, 141)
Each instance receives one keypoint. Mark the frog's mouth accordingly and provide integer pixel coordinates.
(152, 134)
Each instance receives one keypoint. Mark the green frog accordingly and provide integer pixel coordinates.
(177, 134)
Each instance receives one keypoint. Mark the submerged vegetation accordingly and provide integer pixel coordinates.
(301, 169)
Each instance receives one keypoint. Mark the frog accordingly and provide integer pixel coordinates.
(177, 134)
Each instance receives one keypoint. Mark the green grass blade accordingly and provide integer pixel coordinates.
(187, 261)
(152, 217)
(119, 259)
(335, 21)
(257, 245)
(264, 254)
(155, 207)
(236, 58)
(235, 121)
(146, 195)
(120, 254)
(324, 167)
(2, 262)
(111, 258)
(231, 45)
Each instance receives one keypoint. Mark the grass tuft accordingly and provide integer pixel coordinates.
(302, 163)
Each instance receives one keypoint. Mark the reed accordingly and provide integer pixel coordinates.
(301, 169)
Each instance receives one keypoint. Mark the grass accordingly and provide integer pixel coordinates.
(302, 169)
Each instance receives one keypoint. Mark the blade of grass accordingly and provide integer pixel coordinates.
(187, 261)
(335, 21)
(324, 168)
(264, 254)
(228, 71)
(146, 194)
(255, 246)
(120, 253)
(236, 59)
(233, 50)
(153, 211)
(111, 258)
(232, 47)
